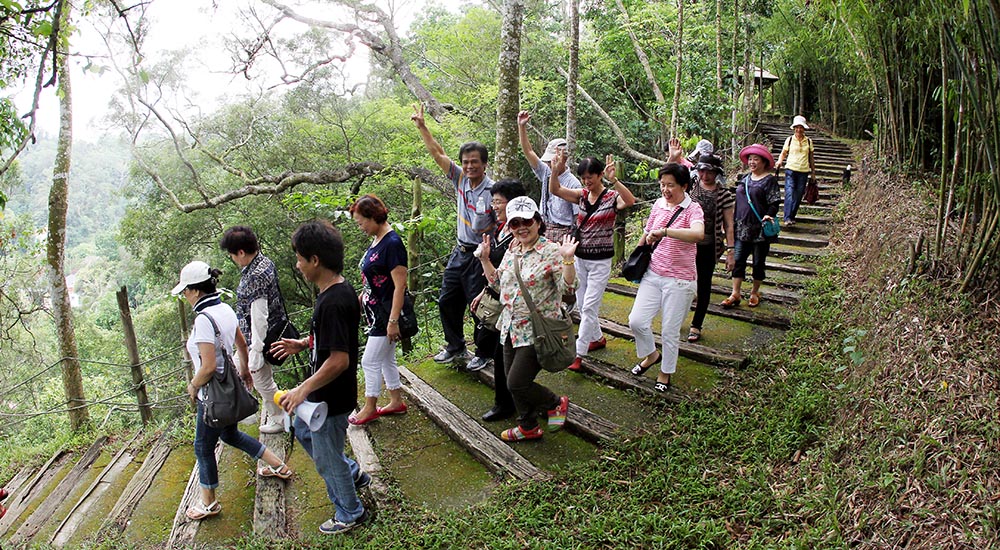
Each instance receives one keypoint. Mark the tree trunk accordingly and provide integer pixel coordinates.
(735, 88)
(56, 248)
(574, 75)
(718, 44)
(647, 69)
(508, 94)
(675, 107)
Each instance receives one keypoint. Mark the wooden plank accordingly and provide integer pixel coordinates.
(774, 294)
(67, 528)
(802, 240)
(184, 530)
(497, 456)
(364, 453)
(44, 512)
(624, 379)
(137, 487)
(270, 518)
(745, 315)
(18, 503)
(19, 479)
(786, 267)
(697, 352)
(580, 421)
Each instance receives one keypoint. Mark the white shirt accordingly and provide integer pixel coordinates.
(202, 332)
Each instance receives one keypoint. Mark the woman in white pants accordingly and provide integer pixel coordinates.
(383, 277)
(675, 225)
(595, 227)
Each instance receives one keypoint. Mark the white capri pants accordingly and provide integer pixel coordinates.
(594, 275)
(378, 362)
(669, 296)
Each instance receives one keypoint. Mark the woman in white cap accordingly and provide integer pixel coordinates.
(757, 200)
(799, 168)
(213, 336)
(718, 204)
(548, 271)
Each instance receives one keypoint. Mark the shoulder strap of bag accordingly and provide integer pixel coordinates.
(669, 223)
(524, 289)
(595, 206)
(746, 187)
(788, 143)
(218, 337)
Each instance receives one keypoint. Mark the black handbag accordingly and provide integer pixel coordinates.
(407, 318)
(227, 399)
(638, 261)
(275, 333)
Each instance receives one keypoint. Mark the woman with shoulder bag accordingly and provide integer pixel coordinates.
(718, 205)
(670, 282)
(757, 200)
(383, 278)
(800, 168)
(504, 191)
(209, 352)
(547, 271)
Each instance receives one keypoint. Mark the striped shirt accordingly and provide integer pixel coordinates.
(597, 235)
(713, 204)
(674, 257)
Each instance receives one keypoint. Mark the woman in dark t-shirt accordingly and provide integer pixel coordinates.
(383, 278)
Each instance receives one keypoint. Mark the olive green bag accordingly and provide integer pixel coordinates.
(553, 337)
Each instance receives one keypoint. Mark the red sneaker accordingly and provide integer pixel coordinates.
(598, 344)
(576, 364)
(519, 434)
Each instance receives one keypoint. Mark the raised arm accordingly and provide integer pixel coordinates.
(558, 167)
(625, 197)
(522, 133)
(433, 147)
(675, 152)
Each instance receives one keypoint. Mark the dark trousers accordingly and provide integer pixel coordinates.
(705, 262)
(501, 394)
(530, 397)
(463, 280)
(743, 251)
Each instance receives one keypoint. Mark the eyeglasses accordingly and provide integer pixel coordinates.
(497, 203)
(518, 223)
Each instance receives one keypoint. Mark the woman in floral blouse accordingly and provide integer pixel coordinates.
(548, 272)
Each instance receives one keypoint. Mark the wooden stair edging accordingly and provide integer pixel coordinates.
(55, 499)
(19, 479)
(184, 530)
(496, 455)
(579, 420)
(19, 502)
(795, 269)
(121, 513)
(270, 517)
(115, 467)
(368, 461)
(624, 379)
(801, 239)
(744, 315)
(698, 352)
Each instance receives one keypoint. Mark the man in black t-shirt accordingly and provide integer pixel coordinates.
(333, 338)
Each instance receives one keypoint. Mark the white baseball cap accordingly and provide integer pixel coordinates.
(521, 207)
(194, 272)
(799, 120)
(550, 149)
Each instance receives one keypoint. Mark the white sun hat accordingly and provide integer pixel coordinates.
(799, 120)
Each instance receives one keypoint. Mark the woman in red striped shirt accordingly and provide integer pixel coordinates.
(675, 225)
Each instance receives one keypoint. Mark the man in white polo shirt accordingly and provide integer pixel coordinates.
(557, 213)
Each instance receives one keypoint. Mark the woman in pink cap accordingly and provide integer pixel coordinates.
(757, 199)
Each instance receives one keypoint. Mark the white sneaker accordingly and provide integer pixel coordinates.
(274, 425)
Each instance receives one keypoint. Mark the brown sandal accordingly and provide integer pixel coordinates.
(731, 302)
(754, 300)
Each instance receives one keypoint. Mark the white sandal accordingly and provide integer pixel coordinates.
(281, 471)
(200, 511)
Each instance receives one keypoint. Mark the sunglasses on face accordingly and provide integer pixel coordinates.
(518, 223)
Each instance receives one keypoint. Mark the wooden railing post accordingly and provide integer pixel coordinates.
(133, 356)
(185, 356)
(413, 251)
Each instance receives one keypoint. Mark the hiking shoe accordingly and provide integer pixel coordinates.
(446, 356)
(362, 480)
(477, 364)
(557, 416)
(334, 527)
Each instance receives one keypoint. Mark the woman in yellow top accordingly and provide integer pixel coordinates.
(800, 167)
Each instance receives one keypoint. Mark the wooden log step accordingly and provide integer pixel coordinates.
(697, 352)
(770, 282)
(802, 228)
(774, 294)
(269, 504)
(45, 511)
(806, 218)
(137, 487)
(579, 420)
(803, 240)
(497, 456)
(184, 530)
(624, 379)
(28, 492)
(101, 484)
(364, 453)
(779, 250)
(784, 267)
(739, 314)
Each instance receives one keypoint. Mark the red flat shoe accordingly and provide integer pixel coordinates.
(353, 420)
(597, 344)
(382, 411)
(576, 364)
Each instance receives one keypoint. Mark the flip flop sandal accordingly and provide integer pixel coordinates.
(200, 511)
(754, 300)
(694, 334)
(280, 471)
(639, 370)
(730, 302)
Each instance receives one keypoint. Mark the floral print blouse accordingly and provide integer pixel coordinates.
(541, 271)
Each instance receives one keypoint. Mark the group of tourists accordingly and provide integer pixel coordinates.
(536, 260)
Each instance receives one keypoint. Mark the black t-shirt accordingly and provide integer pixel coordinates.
(335, 322)
(376, 280)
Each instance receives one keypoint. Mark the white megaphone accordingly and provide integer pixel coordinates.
(312, 413)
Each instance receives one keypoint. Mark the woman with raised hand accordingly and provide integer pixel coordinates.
(383, 278)
(757, 198)
(718, 205)
(676, 223)
(548, 272)
(213, 337)
(595, 230)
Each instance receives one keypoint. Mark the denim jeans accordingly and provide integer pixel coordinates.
(463, 280)
(671, 298)
(205, 439)
(743, 251)
(326, 448)
(795, 188)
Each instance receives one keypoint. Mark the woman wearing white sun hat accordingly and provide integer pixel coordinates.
(801, 166)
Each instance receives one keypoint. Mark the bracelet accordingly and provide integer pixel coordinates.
(393, 321)
(569, 262)
(730, 248)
